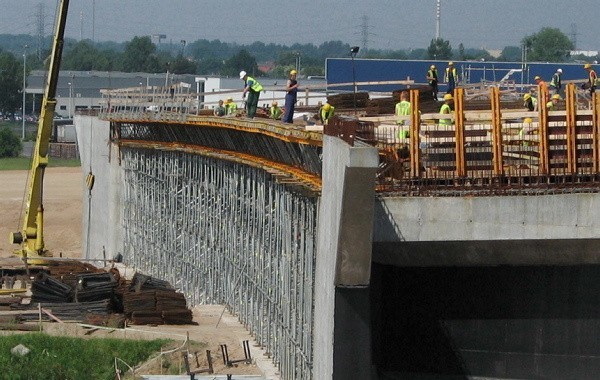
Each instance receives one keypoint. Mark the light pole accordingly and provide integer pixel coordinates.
(70, 99)
(24, 84)
(353, 52)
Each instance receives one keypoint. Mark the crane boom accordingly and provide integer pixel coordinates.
(31, 237)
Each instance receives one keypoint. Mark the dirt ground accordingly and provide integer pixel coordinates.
(62, 234)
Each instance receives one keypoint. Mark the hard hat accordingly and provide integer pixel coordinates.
(450, 63)
(556, 96)
(293, 72)
(432, 67)
(537, 78)
(587, 66)
(448, 97)
(326, 106)
(242, 74)
(274, 102)
(230, 99)
(528, 120)
(559, 71)
(526, 96)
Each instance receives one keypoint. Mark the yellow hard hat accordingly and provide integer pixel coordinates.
(537, 77)
(326, 106)
(528, 120)
(450, 63)
(448, 97)
(556, 96)
(274, 103)
(230, 99)
(526, 96)
(293, 72)
(432, 67)
(587, 66)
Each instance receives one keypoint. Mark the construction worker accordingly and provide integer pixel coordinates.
(291, 97)
(403, 110)
(530, 102)
(253, 89)
(592, 79)
(542, 86)
(275, 111)
(447, 109)
(555, 82)
(451, 77)
(230, 106)
(326, 112)
(551, 105)
(432, 78)
(219, 109)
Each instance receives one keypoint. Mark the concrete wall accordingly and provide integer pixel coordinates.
(102, 205)
(341, 348)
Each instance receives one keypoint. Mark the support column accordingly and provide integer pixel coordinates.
(342, 336)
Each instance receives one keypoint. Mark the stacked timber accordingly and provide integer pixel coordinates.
(83, 293)
(346, 101)
(154, 302)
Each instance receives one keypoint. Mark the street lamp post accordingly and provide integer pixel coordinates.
(24, 85)
(70, 100)
(353, 52)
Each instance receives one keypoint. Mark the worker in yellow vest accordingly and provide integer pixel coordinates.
(253, 88)
(326, 112)
(447, 109)
(403, 110)
(551, 105)
(275, 111)
(451, 77)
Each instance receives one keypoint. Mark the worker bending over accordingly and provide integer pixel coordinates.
(253, 89)
(326, 112)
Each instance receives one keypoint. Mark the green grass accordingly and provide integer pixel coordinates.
(71, 358)
(24, 163)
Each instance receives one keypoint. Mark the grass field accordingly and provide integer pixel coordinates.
(24, 163)
(52, 357)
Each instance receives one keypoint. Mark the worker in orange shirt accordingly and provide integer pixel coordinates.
(592, 78)
(542, 86)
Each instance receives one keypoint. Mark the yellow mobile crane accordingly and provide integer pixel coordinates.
(31, 237)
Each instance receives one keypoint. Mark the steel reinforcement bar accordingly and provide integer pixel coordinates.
(227, 233)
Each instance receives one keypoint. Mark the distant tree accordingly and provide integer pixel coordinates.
(140, 55)
(511, 54)
(83, 56)
(210, 66)
(241, 61)
(10, 144)
(439, 49)
(182, 65)
(548, 45)
(461, 52)
(11, 83)
(418, 54)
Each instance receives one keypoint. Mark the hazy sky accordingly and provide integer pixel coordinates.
(390, 24)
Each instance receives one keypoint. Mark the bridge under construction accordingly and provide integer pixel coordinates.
(352, 251)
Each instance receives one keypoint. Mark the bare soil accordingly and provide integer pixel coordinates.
(63, 189)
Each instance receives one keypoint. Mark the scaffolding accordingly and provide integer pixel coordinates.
(227, 233)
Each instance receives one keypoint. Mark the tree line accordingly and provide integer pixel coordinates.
(219, 58)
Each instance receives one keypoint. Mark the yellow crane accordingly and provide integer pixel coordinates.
(31, 237)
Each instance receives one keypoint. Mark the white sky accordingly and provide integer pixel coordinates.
(391, 24)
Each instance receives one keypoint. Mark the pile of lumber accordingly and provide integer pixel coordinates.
(154, 302)
(74, 291)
